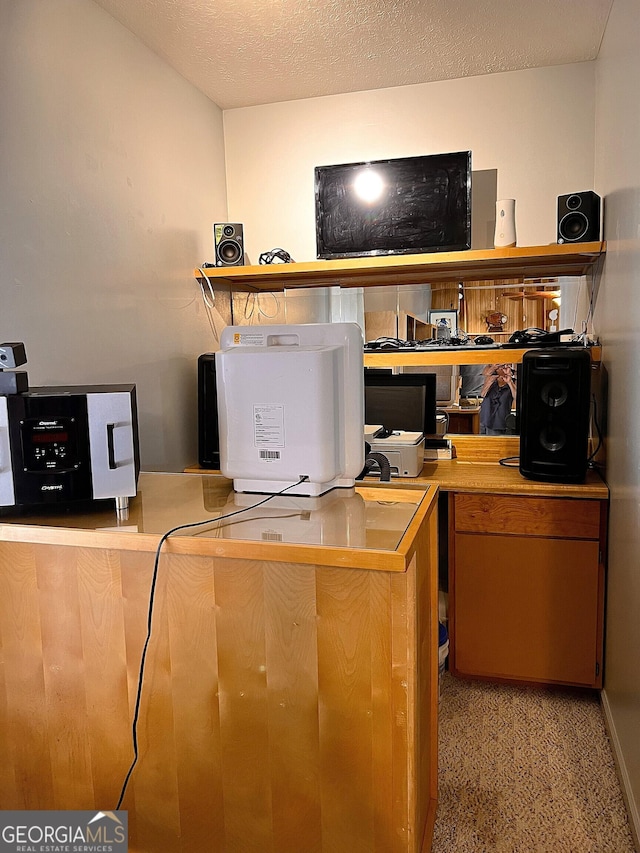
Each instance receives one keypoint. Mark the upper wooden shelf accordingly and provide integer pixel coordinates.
(473, 265)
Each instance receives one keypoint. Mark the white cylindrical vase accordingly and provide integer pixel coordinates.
(505, 235)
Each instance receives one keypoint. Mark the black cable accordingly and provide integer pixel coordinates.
(152, 592)
(380, 461)
(590, 461)
(386, 342)
(528, 336)
(275, 255)
(507, 459)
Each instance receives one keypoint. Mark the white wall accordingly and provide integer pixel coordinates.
(618, 320)
(535, 127)
(111, 174)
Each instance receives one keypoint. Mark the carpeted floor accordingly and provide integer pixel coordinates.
(523, 770)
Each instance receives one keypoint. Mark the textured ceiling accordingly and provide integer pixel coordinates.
(248, 52)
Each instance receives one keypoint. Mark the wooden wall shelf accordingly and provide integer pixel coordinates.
(473, 265)
(451, 355)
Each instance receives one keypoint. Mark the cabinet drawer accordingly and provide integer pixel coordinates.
(524, 516)
(527, 609)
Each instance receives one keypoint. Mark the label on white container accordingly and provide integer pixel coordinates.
(249, 339)
(268, 428)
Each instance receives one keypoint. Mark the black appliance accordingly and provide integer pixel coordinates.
(578, 217)
(208, 436)
(554, 390)
(64, 444)
(228, 241)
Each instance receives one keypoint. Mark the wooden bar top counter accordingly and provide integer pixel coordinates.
(289, 699)
(341, 527)
(459, 475)
(476, 468)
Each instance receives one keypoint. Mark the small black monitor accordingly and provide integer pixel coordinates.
(387, 207)
(401, 401)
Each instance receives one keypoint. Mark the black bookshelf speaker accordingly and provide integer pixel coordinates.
(208, 435)
(555, 399)
(228, 241)
(578, 217)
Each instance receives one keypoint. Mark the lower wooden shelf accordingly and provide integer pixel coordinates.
(453, 355)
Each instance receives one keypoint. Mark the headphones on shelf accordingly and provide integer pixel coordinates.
(537, 336)
(275, 255)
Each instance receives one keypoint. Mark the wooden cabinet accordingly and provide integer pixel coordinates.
(463, 420)
(526, 581)
(290, 690)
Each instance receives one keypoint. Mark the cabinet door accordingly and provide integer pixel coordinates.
(526, 608)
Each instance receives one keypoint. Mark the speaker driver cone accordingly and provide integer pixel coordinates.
(573, 226)
(553, 438)
(554, 394)
(229, 251)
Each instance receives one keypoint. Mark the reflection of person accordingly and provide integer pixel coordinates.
(498, 396)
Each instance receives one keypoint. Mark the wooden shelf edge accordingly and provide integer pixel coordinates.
(474, 264)
(450, 355)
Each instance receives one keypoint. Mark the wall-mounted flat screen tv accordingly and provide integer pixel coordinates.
(388, 207)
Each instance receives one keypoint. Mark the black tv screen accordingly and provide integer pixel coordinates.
(401, 401)
(388, 207)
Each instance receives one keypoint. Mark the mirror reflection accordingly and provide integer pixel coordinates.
(479, 310)
(477, 399)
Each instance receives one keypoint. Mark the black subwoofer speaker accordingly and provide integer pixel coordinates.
(208, 436)
(578, 217)
(228, 241)
(555, 397)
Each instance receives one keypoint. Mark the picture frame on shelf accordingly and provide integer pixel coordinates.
(444, 321)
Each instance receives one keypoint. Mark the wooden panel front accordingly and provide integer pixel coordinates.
(526, 608)
(286, 707)
(504, 514)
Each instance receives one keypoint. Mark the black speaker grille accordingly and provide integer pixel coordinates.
(554, 392)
